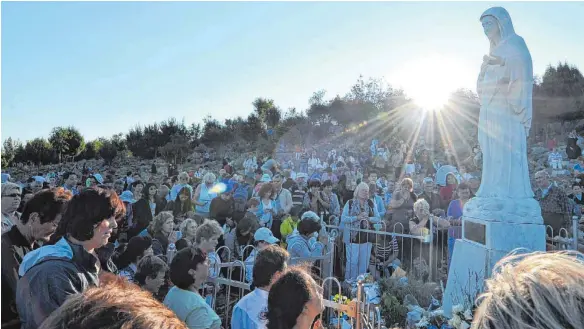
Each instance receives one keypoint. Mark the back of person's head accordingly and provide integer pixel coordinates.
(309, 224)
(247, 224)
(288, 297)
(149, 267)
(182, 244)
(207, 230)
(185, 260)
(89, 208)
(115, 304)
(134, 249)
(268, 262)
(47, 204)
(253, 202)
(538, 290)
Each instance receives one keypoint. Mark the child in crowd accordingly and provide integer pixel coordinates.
(289, 225)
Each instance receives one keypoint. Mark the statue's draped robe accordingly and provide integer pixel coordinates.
(505, 93)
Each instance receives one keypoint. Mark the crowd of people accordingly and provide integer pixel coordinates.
(73, 239)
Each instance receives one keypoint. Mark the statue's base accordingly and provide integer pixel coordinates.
(483, 244)
(508, 210)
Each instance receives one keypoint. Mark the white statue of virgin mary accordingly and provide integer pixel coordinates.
(505, 86)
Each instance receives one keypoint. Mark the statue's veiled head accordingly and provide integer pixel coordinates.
(497, 24)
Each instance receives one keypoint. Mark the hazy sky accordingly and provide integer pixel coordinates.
(104, 67)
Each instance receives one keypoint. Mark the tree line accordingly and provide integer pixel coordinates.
(558, 95)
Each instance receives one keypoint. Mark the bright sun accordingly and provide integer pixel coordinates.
(428, 81)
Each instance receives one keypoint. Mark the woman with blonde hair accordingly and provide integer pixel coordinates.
(419, 224)
(204, 194)
(359, 212)
(537, 290)
(187, 228)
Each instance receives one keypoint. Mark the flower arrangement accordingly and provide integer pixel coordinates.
(461, 318)
(344, 300)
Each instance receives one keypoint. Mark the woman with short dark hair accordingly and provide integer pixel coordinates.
(189, 269)
(294, 301)
(303, 243)
(37, 223)
(89, 221)
(456, 206)
(137, 248)
(150, 273)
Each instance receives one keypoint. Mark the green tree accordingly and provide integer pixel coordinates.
(92, 149)
(176, 150)
(214, 132)
(108, 150)
(267, 112)
(19, 153)
(66, 141)
(8, 152)
(119, 142)
(559, 94)
(319, 110)
(39, 150)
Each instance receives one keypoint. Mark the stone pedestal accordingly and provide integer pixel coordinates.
(491, 229)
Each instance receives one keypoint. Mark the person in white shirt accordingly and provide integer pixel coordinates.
(269, 264)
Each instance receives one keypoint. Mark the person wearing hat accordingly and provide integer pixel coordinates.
(127, 198)
(303, 243)
(94, 180)
(137, 248)
(263, 237)
(270, 166)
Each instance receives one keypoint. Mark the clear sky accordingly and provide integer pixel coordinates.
(105, 67)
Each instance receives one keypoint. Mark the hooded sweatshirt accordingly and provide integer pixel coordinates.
(49, 275)
(300, 246)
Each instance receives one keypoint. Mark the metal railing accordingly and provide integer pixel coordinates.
(566, 238)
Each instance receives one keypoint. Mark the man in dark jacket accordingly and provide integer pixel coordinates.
(554, 203)
(430, 196)
(52, 273)
(37, 223)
